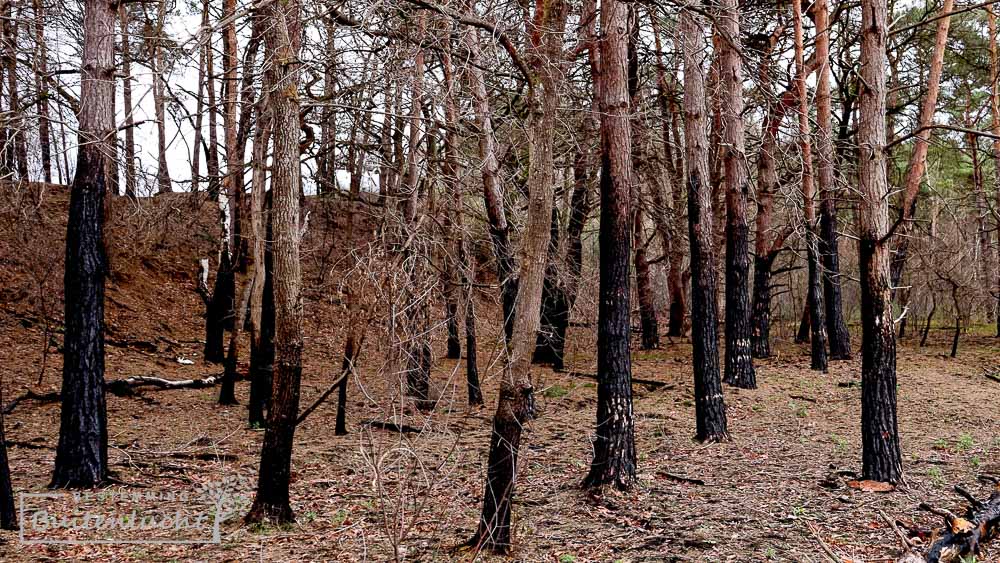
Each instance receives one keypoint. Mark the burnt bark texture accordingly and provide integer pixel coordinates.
(710, 408)
(82, 453)
(614, 460)
(739, 369)
(283, 40)
(8, 515)
(881, 457)
(814, 295)
(838, 337)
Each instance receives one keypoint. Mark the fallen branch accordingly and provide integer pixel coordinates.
(322, 398)
(30, 395)
(680, 478)
(393, 427)
(652, 384)
(962, 535)
(124, 387)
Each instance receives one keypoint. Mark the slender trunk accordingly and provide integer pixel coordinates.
(918, 158)
(766, 245)
(283, 39)
(881, 457)
(710, 408)
(958, 319)
(839, 338)
(326, 164)
(739, 369)
(492, 192)
(130, 172)
(12, 23)
(42, 88)
(650, 335)
(163, 184)
(515, 405)
(212, 149)
(8, 516)
(814, 289)
(930, 318)
(199, 110)
(262, 341)
(995, 117)
(82, 454)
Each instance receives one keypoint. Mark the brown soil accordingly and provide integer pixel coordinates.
(374, 493)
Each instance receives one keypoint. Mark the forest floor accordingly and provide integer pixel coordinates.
(778, 491)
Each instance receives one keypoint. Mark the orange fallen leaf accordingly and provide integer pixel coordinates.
(870, 486)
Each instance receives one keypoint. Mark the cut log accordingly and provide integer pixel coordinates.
(962, 535)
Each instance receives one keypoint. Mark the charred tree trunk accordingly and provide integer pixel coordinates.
(554, 310)
(739, 370)
(930, 318)
(995, 115)
(710, 408)
(614, 445)
(163, 184)
(881, 457)
(817, 317)
(760, 318)
(8, 515)
(650, 337)
(283, 39)
(82, 453)
(839, 339)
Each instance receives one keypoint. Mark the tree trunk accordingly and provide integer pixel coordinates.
(650, 335)
(766, 245)
(283, 38)
(995, 116)
(163, 184)
(262, 340)
(515, 405)
(918, 158)
(212, 149)
(492, 193)
(42, 88)
(710, 408)
(12, 25)
(8, 515)
(817, 317)
(881, 457)
(839, 339)
(82, 453)
(739, 370)
(129, 109)
(614, 445)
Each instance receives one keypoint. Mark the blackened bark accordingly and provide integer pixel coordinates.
(739, 371)
(82, 453)
(614, 462)
(881, 457)
(802, 335)
(650, 336)
(220, 310)
(471, 362)
(817, 317)
(454, 341)
(8, 516)
(554, 310)
(930, 318)
(284, 41)
(760, 317)
(262, 347)
(839, 337)
(710, 408)
(514, 409)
